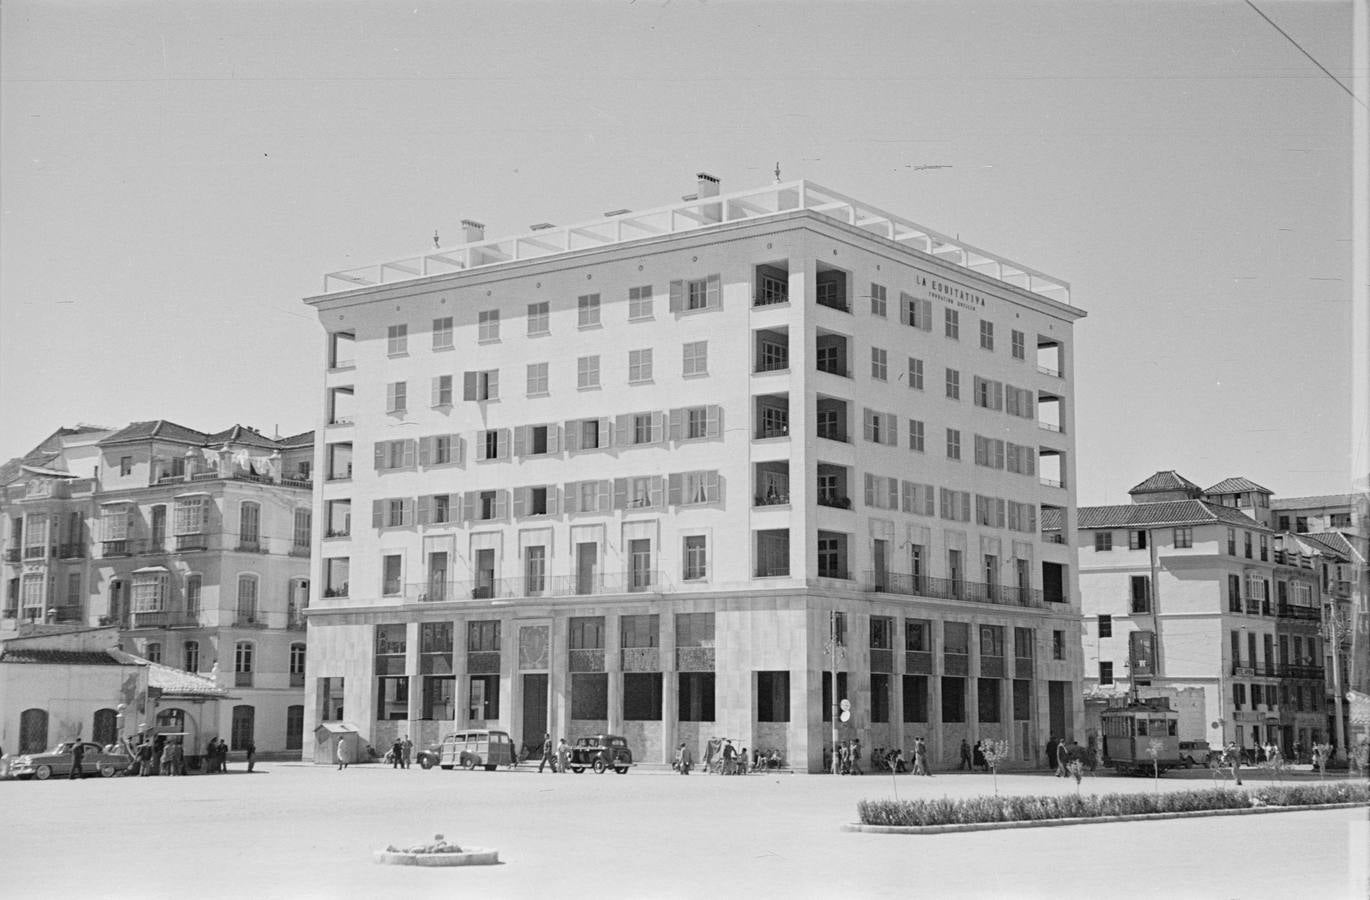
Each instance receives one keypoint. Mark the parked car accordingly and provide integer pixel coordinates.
(600, 753)
(57, 761)
(469, 749)
(1198, 753)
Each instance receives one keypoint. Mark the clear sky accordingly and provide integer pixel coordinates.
(175, 177)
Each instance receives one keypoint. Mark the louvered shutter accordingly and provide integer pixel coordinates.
(492, 385)
(458, 449)
(620, 493)
(407, 511)
(572, 494)
(380, 455)
(891, 433)
(553, 434)
(658, 427)
(677, 296)
(677, 428)
(606, 434)
(425, 450)
(482, 443)
(657, 491)
(520, 447)
(965, 506)
(470, 505)
(713, 487)
(409, 447)
(502, 443)
(904, 313)
(926, 307)
(622, 435)
(870, 489)
(520, 502)
(892, 486)
(713, 421)
(551, 499)
(713, 297)
(425, 510)
(674, 488)
(868, 424)
(469, 386)
(573, 435)
(602, 491)
(998, 395)
(377, 513)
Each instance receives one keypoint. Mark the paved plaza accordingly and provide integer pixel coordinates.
(293, 830)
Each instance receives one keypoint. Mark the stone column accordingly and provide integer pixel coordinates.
(669, 698)
(613, 668)
(411, 670)
(461, 682)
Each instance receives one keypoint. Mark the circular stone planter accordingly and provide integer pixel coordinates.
(473, 856)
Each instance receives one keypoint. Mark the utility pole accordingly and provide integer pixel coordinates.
(835, 652)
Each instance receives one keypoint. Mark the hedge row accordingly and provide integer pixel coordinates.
(1091, 806)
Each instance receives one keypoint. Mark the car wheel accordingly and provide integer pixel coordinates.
(599, 767)
(577, 769)
(43, 773)
(107, 770)
(622, 770)
(426, 763)
(468, 763)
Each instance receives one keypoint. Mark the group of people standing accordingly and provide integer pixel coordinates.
(559, 758)
(401, 752)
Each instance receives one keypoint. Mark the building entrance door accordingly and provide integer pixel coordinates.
(534, 710)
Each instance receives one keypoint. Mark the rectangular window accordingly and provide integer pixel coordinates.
(539, 318)
(878, 307)
(1103, 541)
(695, 358)
(1231, 542)
(537, 379)
(639, 303)
(916, 698)
(442, 333)
(587, 311)
(1184, 537)
(695, 696)
(1105, 673)
(915, 374)
(1234, 593)
(639, 366)
(396, 397)
(696, 557)
(1058, 645)
(1136, 539)
(487, 325)
(1141, 594)
(986, 338)
(642, 696)
(590, 695)
(990, 700)
(481, 385)
(953, 384)
(953, 444)
(1246, 544)
(773, 696)
(952, 324)
(1105, 626)
(916, 313)
(1019, 345)
(587, 372)
(879, 427)
(880, 368)
(397, 340)
(953, 700)
(390, 575)
(916, 435)
(442, 391)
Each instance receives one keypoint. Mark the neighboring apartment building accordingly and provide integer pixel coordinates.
(195, 545)
(1191, 594)
(631, 475)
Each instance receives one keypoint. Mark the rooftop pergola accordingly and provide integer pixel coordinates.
(691, 215)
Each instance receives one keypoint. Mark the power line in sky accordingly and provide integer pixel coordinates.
(1310, 56)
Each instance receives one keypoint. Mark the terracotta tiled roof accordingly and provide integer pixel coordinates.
(1333, 541)
(159, 429)
(1236, 485)
(174, 681)
(303, 439)
(40, 656)
(242, 434)
(1167, 480)
(1318, 501)
(1170, 513)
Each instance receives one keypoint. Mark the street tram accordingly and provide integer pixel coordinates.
(1133, 730)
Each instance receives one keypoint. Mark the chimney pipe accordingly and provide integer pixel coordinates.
(709, 187)
(472, 231)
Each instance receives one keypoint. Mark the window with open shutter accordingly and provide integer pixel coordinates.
(603, 489)
(520, 502)
(870, 489)
(713, 487)
(551, 499)
(713, 422)
(572, 493)
(714, 295)
(378, 513)
(677, 426)
(656, 495)
(677, 295)
(620, 493)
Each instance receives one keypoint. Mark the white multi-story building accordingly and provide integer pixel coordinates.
(631, 475)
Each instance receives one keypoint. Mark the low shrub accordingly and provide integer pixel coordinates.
(973, 810)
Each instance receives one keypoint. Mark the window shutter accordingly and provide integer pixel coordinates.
(713, 297)
(892, 485)
(602, 495)
(998, 395)
(573, 435)
(458, 449)
(572, 494)
(620, 493)
(904, 300)
(377, 513)
(622, 437)
(892, 429)
(551, 499)
(425, 450)
(656, 493)
(925, 306)
(492, 385)
(468, 386)
(409, 453)
(520, 445)
(907, 496)
(713, 486)
(380, 455)
(425, 511)
(998, 454)
(1032, 518)
(673, 488)
(470, 505)
(407, 511)
(520, 502)
(868, 424)
(481, 445)
(870, 489)
(501, 443)
(437, 390)
(658, 427)
(677, 424)
(713, 421)
(454, 507)
(965, 506)
(928, 500)
(677, 296)
(553, 431)
(1028, 399)
(1030, 458)
(501, 504)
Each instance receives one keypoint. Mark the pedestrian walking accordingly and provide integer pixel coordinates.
(145, 758)
(78, 752)
(251, 755)
(966, 762)
(1234, 759)
(920, 758)
(1062, 759)
(395, 751)
(856, 757)
(547, 759)
(407, 751)
(686, 758)
(563, 756)
(344, 754)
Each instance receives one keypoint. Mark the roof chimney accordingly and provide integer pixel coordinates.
(472, 231)
(708, 187)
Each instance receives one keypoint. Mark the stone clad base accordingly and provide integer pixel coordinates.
(476, 856)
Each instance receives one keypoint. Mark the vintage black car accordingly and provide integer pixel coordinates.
(601, 753)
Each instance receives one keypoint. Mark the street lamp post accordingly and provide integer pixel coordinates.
(836, 653)
(1335, 629)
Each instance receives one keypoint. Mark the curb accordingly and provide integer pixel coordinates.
(1052, 823)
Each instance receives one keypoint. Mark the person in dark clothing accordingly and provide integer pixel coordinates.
(251, 755)
(1062, 759)
(965, 757)
(980, 761)
(78, 751)
(547, 758)
(1051, 753)
(396, 752)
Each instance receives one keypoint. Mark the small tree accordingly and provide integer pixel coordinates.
(995, 752)
(1077, 771)
(1154, 751)
(1321, 753)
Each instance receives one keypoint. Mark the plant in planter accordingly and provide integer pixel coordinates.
(995, 752)
(1153, 750)
(1321, 753)
(1077, 771)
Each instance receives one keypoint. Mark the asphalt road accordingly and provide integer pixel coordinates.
(292, 830)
